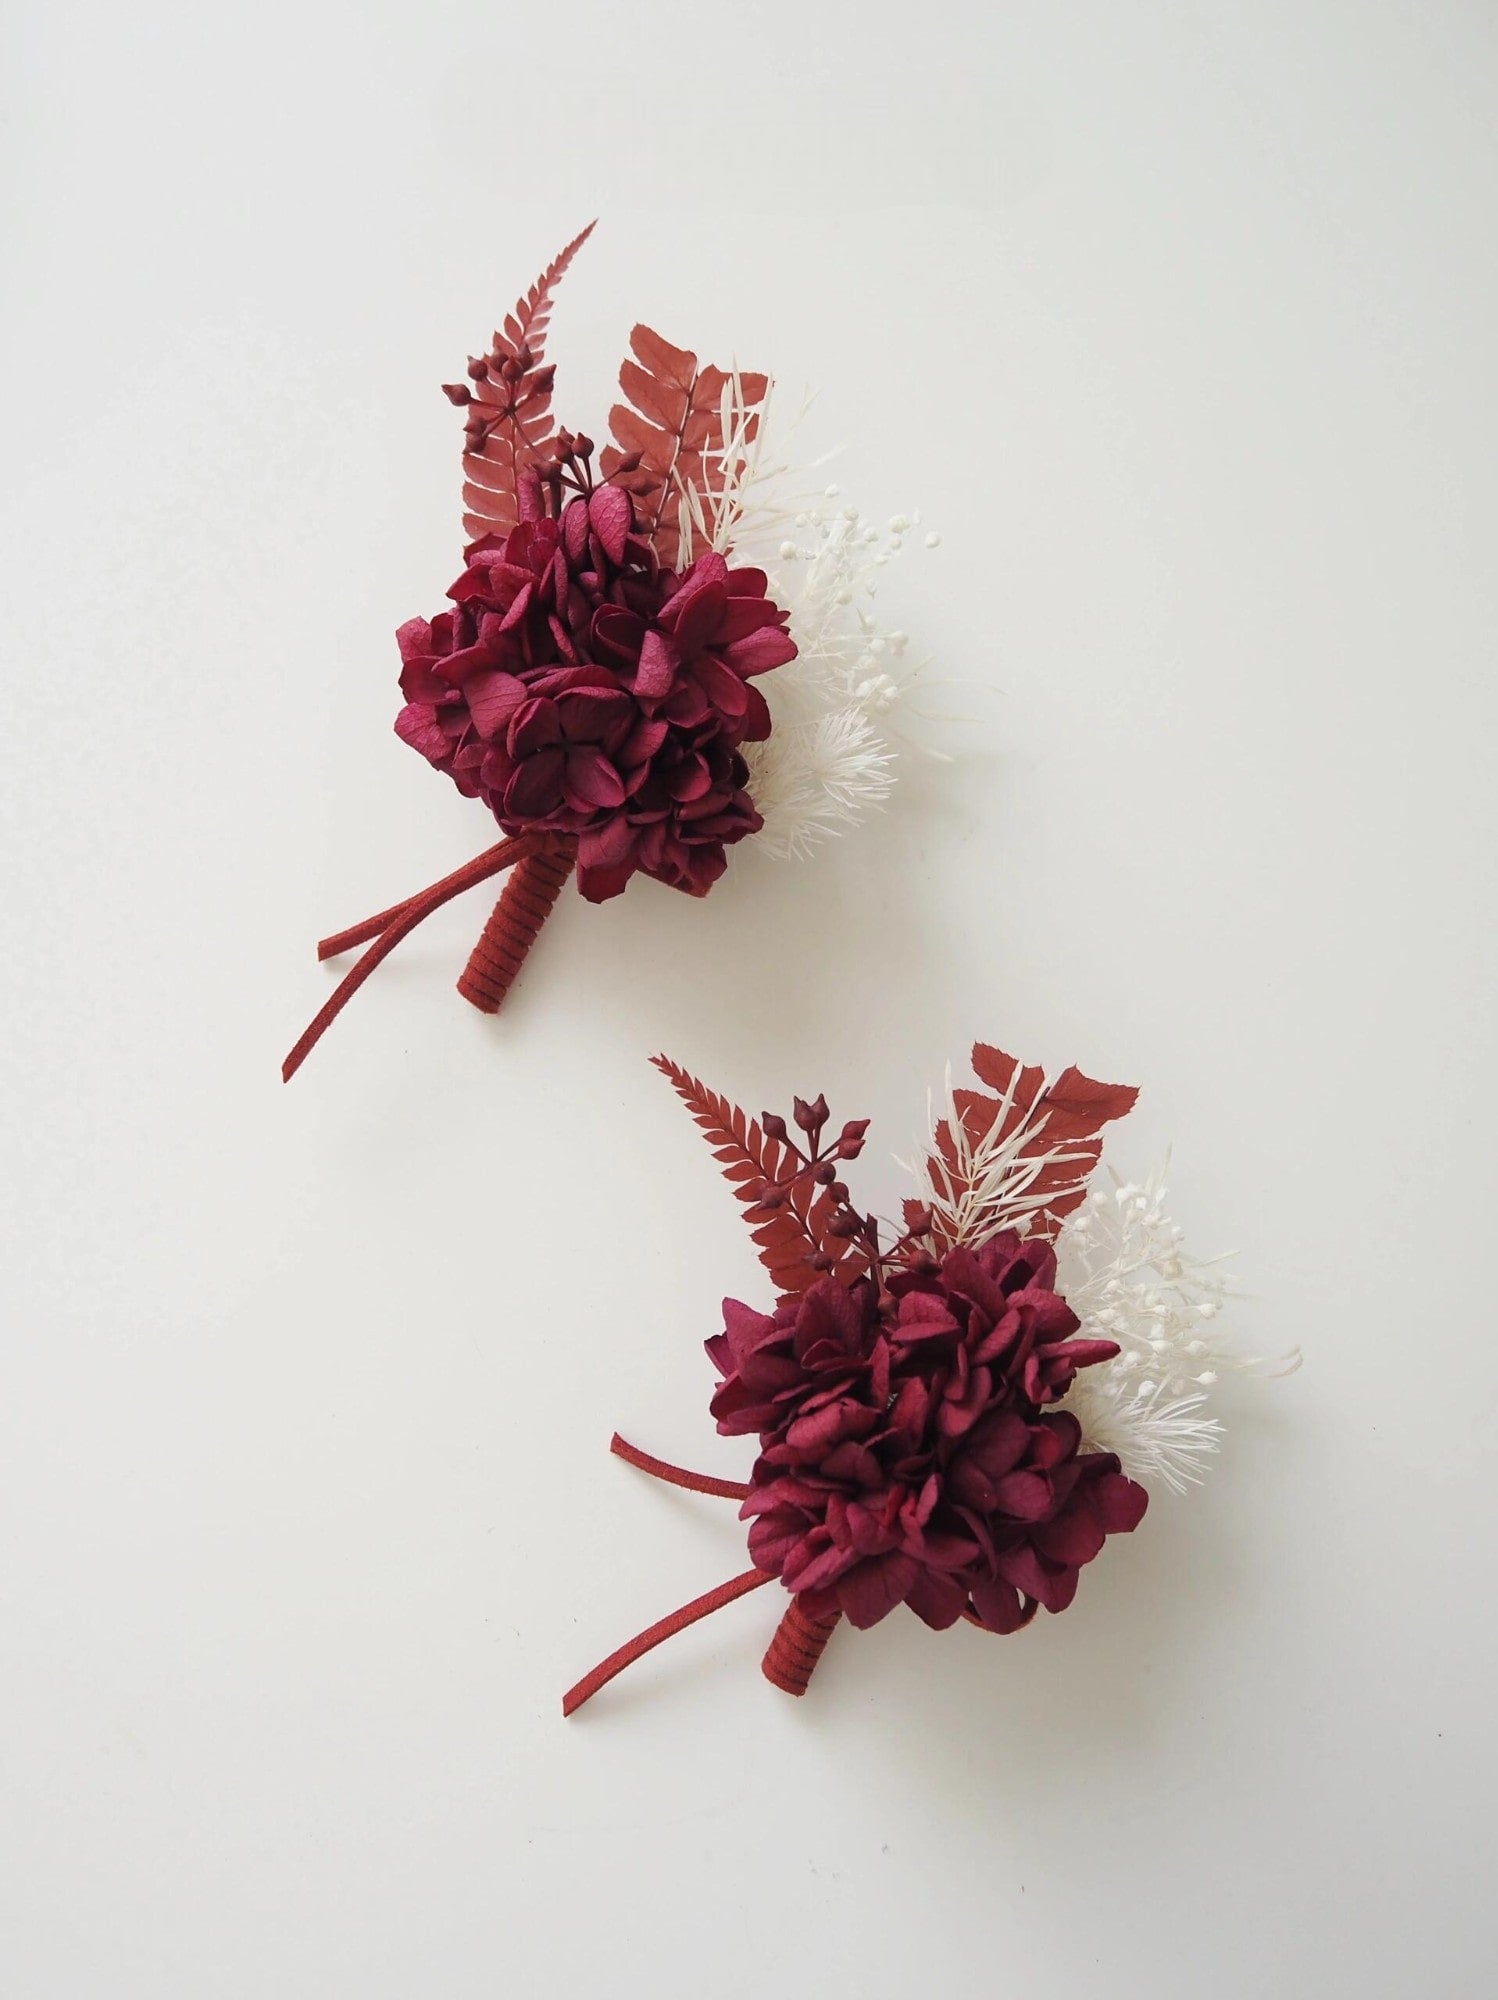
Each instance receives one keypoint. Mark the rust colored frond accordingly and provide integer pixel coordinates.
(787, 1237)
(672, 425)
(509, 406)
(1024, 1156)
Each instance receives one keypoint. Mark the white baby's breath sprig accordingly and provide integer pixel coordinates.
(1125, 1271)
(839, 708)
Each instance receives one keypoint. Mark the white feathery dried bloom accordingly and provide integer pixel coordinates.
(1124, 1270)
(816, 775)
(836, 707)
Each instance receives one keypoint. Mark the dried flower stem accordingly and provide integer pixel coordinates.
(664, 1628)
(515, 922)
(408, 915)
(798, 1645)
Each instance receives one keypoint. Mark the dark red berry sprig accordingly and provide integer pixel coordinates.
(818, 1163)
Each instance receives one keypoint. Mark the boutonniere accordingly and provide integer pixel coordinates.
(658, 647)
(956, 1413)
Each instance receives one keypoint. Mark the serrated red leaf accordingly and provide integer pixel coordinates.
(788, 1237)
(675, 425)
(660, 401)
(674, 365)
(1068, 1114)
(521, 429)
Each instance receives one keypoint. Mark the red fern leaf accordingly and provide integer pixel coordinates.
(675, 429)
(788, 1237)
(515, 415)
(1062, 1124)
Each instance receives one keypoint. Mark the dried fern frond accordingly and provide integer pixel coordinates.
(673, 425)
(509, 403)
(789, 1235)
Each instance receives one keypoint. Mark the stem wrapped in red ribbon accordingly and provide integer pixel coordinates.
(388, 928)
(593, 681)
(527, 901)
(797, 1645)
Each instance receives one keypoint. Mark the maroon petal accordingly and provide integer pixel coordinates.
(694, 617)
(999, 1606)
(591, 783)
(606, 858)
(611, 517)
(534, 725)
(774, 1537)
(417, 725)
(492, 701)
(760, 652)
(419, 681)
(575, 532)
(659, 661)
(747, 1330)
(1056, 1437)
(743, 616)
(600, 885)
(812, 1436)
(998, 1442)
(1023, 1567)
(1023, 1496)
(643, 741)
(756, 724)
(924, 1317)
(414, 639)
(936, 1599)
(593, 715)
(1121, 1503)
(721, 685)
(536, 788)
(690, 780)
(616, 636)
(873, 1589)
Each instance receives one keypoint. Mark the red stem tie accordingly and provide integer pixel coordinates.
(665, 1628)
(798, 1644)
(674, 1475)
(542, 864)
(515, 922)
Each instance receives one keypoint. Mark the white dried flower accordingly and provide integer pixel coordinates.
(837, 707)
(1126, 1273)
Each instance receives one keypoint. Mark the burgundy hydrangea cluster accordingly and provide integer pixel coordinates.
(578, 687)
(907, 1454)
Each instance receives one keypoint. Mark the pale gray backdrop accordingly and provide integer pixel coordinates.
(1178, 322)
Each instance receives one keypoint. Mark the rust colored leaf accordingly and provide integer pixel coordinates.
(787, 1237)
(1054, 1133)
(673, 420)
(516, 414)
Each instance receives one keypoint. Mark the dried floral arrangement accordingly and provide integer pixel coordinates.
(596, 683)
(956, 1413)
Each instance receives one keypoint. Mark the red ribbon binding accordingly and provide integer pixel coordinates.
(798, 1643)
(541, 864)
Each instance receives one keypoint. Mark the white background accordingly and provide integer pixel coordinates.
(1179, 322)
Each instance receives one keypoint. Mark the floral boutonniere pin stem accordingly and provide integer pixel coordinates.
(651, 653)
(955, 1413)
